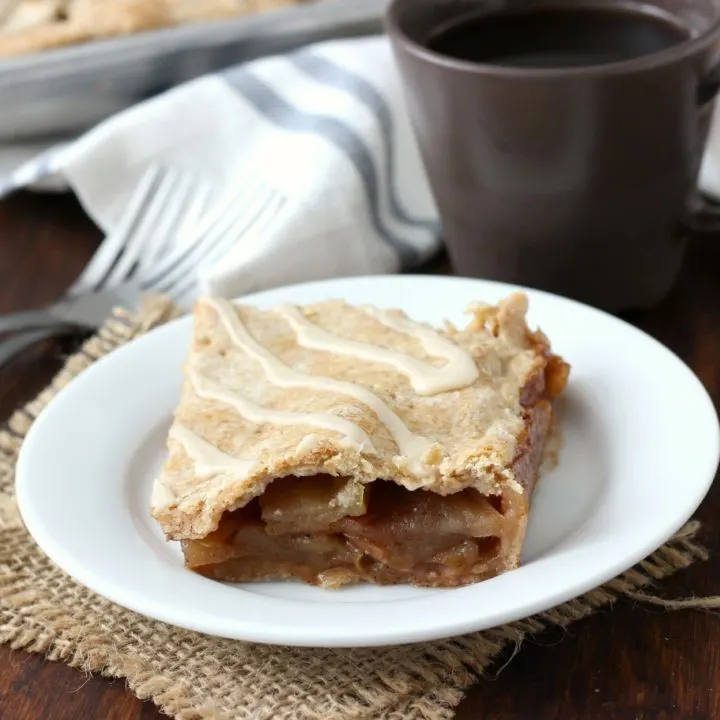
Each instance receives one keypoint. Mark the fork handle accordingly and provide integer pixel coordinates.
(19, 343)
(29, 320)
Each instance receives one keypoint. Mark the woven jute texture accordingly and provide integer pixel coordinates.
(191, 676)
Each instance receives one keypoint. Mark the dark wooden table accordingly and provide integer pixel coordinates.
(632, 663)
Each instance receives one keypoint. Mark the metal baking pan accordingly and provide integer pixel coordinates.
(64, 91)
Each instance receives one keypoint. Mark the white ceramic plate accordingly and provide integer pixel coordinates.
(641, 446)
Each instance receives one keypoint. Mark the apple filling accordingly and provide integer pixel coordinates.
(333, 531)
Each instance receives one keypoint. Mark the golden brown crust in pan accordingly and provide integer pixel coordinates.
(29, 26)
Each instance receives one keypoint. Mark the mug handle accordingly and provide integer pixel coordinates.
(710, 85)
(703, 217)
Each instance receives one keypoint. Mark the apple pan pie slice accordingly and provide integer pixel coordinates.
(336, 444)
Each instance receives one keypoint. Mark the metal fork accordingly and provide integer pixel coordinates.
(245, 207)
(165, 201)
(163, 204)
(248, 206)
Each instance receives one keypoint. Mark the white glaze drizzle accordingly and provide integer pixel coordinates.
(307, 444)
(162, 496)
(209, 460)
(210, 390)
(413, 447)
(461, 366)
(425, 379)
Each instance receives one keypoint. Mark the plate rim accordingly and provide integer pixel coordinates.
(130, 599)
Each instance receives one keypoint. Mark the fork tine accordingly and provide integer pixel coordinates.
(161, 222)
(183, 292)
(187, 247)
(145, 238)
(109, 252)
(229, 202)
(188, 198)
(221, 235)
(260, 222)
(195, 207)
(207, 236)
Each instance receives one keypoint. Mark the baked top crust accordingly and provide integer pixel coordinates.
(356, 393)
(28, 26)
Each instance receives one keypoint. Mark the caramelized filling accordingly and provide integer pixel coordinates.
(311, 504)
(333, 531)
(320, 527)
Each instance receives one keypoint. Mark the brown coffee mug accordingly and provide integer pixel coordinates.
(579, 180)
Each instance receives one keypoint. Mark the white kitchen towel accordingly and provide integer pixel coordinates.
(324, 126)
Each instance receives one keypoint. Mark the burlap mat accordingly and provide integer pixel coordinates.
(191, 676)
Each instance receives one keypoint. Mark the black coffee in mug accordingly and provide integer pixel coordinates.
(556, 37)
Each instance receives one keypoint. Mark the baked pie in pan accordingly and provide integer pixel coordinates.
(28, 26)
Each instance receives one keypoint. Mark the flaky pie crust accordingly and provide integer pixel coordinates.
(476, 431)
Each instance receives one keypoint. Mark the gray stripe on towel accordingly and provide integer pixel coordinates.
(280, 112)
(329, 73)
